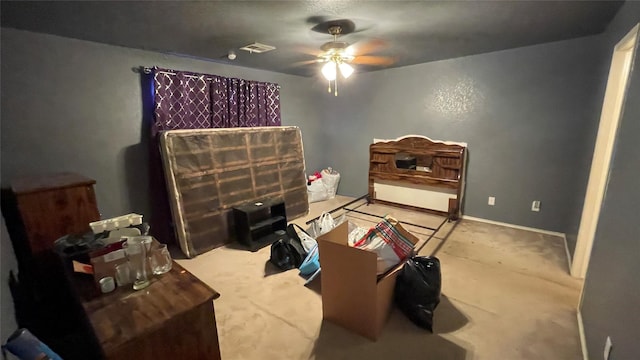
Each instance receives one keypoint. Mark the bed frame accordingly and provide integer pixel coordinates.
(444, 182)
(435, 185)
(356, 206)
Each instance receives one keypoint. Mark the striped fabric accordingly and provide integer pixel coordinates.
(386, 231)
(400, 244)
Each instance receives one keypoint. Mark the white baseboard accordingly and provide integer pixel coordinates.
(583, 339)
(566, 249)
(547, 232)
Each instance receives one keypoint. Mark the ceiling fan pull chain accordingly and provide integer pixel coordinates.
(335, 85)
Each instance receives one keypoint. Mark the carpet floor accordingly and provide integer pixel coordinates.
(506, 294)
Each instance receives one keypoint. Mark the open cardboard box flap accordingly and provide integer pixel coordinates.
(352, 294)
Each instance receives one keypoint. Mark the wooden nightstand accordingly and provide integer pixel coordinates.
(257, 223)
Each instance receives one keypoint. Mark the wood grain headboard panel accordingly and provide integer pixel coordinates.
(435, 182)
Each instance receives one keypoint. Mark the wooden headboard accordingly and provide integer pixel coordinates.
(433, 181)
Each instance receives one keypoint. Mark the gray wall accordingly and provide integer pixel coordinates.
(611, 299)
(75, 105)
(528, 115)
(71, 105)
(7, 263)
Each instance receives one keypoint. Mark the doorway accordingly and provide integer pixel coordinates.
(623, 55)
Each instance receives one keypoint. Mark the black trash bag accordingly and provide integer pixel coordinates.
(287, 252)
(417, 291)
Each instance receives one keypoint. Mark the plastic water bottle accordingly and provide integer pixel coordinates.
(23, 344)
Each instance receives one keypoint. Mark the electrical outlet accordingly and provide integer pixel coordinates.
(607, 348)
(492, 200)
(535, 206)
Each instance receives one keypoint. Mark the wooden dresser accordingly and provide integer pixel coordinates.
(54, 205)
(172, 318)
(38, 210)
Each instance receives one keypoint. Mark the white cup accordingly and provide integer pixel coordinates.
(107, 284)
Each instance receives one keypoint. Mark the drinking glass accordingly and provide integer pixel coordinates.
(123, 274)
(136, 251)
(160, 259)
(147, 241)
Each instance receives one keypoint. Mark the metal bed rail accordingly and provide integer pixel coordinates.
(348, 210)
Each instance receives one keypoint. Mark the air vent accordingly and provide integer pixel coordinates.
(257, 48)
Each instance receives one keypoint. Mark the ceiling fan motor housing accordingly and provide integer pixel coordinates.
(335, 30)
(335, 50)
(334, 45)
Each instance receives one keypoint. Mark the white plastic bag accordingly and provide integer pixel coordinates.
(308, 243)
(387, 258)
(356, 233)
(323, 224)
(330, 178)
(317, 191)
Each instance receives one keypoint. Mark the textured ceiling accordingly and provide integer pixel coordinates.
(413, 31)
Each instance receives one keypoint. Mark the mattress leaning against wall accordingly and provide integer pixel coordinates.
(209, 171)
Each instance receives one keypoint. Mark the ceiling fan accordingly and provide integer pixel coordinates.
(338, 56)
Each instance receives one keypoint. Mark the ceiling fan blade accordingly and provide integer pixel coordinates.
(369, 46)
(346, 26)
(322, 24)
(306, 62)
(308, 50)
(374, 60)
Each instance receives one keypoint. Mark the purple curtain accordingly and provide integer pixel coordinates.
(243, 103)
(186, 100)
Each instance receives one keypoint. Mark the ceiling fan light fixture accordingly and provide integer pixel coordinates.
(329, 71)
(346, 70)
(350, 51)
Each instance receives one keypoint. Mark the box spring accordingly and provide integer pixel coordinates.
(209, 171)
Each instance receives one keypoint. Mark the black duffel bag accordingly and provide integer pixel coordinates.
(287, 252)
(417, 292)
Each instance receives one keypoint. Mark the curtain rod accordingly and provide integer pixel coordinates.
(148, 70)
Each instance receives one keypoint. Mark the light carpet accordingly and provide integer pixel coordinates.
(506, 294)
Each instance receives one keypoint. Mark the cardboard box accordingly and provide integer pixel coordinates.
(352, 295)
